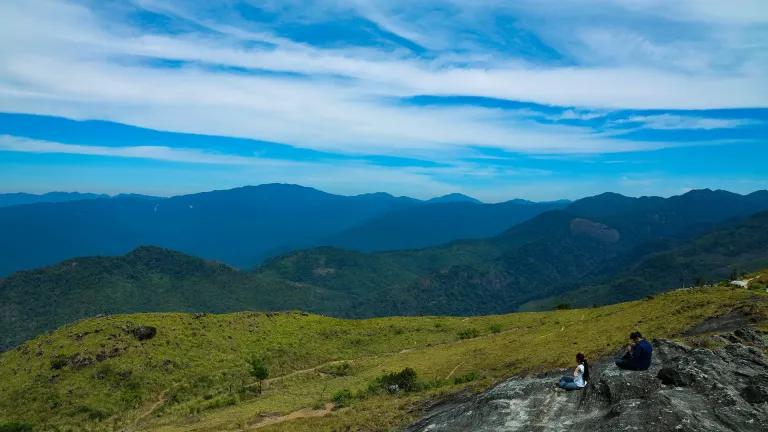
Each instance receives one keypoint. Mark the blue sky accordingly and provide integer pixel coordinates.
(496, 99)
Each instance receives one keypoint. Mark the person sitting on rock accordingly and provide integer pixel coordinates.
(580, 375)
(638, 354)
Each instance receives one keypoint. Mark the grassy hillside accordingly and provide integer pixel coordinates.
(148, 279)
(193, 375)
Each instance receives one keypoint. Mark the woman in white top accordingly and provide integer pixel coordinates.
(580, 375)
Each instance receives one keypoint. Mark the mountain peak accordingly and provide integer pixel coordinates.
(708, 192)
(454, 197)
(277, 187)
(375, 195)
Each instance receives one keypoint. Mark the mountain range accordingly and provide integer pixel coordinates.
(593, 251)
(12, 199)
(592, 241)
(243, 226)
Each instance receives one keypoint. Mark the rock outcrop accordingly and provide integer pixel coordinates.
(722, 388)
(144, 332)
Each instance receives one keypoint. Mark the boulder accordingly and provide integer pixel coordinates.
(686, 389)
(748, 336)
(755, 394)
(144, 332)
(672, 377)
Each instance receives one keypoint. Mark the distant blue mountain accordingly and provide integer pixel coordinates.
(438, 222)
(243, 226)
(11, 199)
(454, 197)
(136, 196)
(237, 226)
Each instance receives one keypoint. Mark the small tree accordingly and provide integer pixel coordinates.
(469, 333)
(258, 369)
(734, 274)
(404, 380)
(342, 398)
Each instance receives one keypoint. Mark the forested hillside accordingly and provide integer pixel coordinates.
(608, 250)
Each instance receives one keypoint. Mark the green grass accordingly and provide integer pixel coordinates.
(194, 375)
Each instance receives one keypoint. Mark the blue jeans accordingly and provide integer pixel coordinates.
(627, 363)
(568, 383)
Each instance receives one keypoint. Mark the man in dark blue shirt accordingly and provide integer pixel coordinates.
(638, 355)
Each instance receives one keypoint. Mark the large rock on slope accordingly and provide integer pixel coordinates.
(721, 389)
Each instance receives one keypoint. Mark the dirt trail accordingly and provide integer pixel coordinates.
(302, 413)
(302, 371)
(146, 412)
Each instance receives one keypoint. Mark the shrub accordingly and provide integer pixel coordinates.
(433, 383)
(563, 306)
(338, 369)
(58, 362)
(467, 377)
(220, 402)
(405, 380)
(342, 398)
(469, 333)
(495, 328)
(15, 427)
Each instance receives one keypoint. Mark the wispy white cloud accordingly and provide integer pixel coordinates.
(671, 121)
(26, 145)
(86, 66)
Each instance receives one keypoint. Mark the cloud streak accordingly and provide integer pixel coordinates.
(672, 122)
(342, 97)
(439, 81)
(24, 145)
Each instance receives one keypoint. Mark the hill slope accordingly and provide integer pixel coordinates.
(97, 375)
(590, 241)
(147, 279)
(725, 252)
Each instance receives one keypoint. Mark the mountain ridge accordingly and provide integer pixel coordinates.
(554, 253)
(240, 226)
(22, 198)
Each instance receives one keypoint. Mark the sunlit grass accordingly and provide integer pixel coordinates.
(198, 364)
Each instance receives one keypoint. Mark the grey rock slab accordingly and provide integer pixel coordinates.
(721, 389)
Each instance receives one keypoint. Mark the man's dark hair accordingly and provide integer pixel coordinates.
(583, 360)
(635, 335)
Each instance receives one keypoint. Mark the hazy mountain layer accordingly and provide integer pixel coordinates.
(242, 226)
(622, 256)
